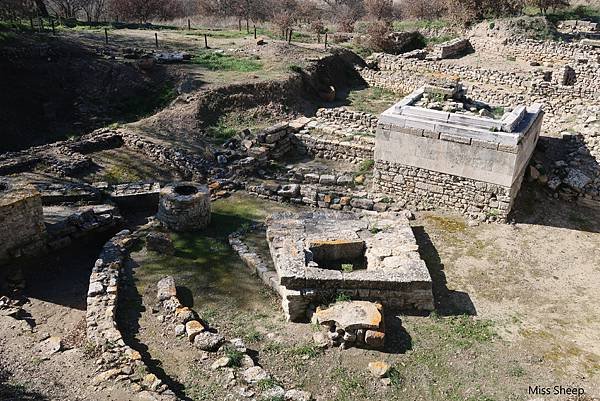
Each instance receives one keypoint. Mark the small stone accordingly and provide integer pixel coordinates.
(184, 315)
(274, 393)
(297, 395)
(221, 363)
(104, 376)
(255, 374)
(386, 381)
(51, 345)
(96, 288)
(247, 362)
(379, 368)
(160, 243)
(375, 339)
(208, 341)
(149, 380)
(193, 328)
(179, 330)
(166, 288)
(321, 339)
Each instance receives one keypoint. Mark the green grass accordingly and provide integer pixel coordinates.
(235, 357)
(135, 107)
(436, 40)
(120, 174)
(307, 350)
(372, 100)
(349, 386)
(365, 167)
(413, 25)
(342, 297)
(266, 384)
(221, 131)
(253, 336)
(579, 12)
(223, 62)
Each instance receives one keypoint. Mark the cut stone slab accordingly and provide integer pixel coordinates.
(351, 315)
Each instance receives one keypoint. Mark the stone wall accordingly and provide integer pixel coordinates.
(118, 361)
(22, 230)
(504, 87)
(423, 189)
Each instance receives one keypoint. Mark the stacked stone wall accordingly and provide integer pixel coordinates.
(22, 230)
(423, 189)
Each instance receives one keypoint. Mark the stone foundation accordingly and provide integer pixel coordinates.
(310, 254)
(22, 230)
(472, 164)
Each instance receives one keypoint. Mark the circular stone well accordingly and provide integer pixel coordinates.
(184, 206)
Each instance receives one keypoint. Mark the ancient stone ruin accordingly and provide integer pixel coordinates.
(184, 206)
(319, 256)
(440, 154)
(22, 230)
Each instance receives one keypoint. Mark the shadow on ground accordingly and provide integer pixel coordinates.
(15, 392)
(129, 312)
(447, 302)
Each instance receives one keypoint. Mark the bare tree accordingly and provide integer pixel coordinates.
(545, 5)
(379, 9)
(94, 9)
(145, 10)
(65, 8)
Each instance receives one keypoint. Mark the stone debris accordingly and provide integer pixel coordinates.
(351, 323)
(208, 341)
(51, 346)
(160, 242)
(351, 315)
(193, 328)
(255, 374)
(297, 395)
(379, 369)
(166, 289)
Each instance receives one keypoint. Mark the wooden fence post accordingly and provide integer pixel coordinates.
(106, 35)
(189, 25)
(290, 37)
(205, 41)
(254, 31)
(326, 40)
(52, 23)
(156, 39)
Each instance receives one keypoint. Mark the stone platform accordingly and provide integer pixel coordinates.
(469, 163)
(320, 255)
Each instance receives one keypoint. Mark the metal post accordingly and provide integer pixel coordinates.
(290, 37)
(326, 40)
(254, 31)
(106, 35)
(189, 25)
(156, 39)
(205, 41)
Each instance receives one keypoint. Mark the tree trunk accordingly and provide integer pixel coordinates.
(41, 8)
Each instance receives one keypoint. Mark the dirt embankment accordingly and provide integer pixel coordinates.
(297, 94)
(55, 87)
